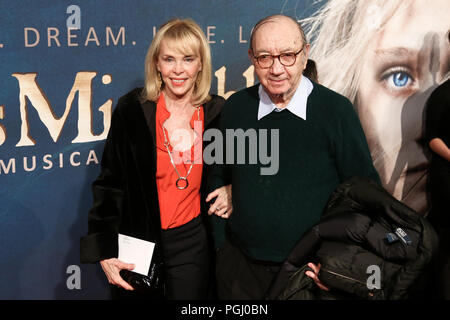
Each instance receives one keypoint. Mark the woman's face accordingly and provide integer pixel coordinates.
(178, 70)
(404, 63)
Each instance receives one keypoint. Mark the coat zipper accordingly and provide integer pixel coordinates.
(342, 276)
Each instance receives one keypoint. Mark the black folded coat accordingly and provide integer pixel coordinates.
(369, 245)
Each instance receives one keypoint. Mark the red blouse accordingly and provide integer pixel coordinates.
(178, 207)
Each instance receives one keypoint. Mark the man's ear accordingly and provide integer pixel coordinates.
(250, 55)
(306, 50)
(306, 54)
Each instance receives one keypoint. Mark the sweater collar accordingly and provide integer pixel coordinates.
(297, 105)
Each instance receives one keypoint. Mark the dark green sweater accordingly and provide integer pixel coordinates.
(271, 212)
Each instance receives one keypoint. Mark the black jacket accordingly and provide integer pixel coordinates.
(125, 193)
(358, 233)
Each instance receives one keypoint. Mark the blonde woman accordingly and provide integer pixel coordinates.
(386, 56)
(152, 179)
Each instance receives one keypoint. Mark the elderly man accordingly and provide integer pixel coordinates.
(321, 144)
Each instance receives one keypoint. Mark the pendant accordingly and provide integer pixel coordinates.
(180, 185)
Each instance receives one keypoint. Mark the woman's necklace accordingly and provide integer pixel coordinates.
(182, 182)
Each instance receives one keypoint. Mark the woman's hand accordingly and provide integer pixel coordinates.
(112, 267)
(222, 206)
(438, 146)
(314, 275)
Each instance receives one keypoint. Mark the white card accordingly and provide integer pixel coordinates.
(136, 251)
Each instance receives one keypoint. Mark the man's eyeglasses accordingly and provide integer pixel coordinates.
(287, 59)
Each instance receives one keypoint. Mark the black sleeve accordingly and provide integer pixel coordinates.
(104, 217)
(219, 173)
(302, 253)
(434, 110)
(352, 151)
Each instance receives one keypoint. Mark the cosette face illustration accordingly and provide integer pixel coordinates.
(405, 60)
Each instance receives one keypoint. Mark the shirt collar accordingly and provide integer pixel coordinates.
(297, 105)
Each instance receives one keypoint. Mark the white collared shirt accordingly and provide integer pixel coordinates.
(297, 105)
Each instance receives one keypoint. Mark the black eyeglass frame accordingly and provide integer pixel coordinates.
(278, 56)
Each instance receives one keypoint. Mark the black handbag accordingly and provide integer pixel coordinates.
(151, 283)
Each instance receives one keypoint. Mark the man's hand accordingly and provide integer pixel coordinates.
(314, 275)
(112, 267)
(222, 206)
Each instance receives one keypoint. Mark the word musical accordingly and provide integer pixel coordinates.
(48, 161)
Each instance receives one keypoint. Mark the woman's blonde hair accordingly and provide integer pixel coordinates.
(187, 37)
(340, 33)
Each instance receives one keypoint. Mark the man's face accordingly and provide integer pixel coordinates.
(274, 38)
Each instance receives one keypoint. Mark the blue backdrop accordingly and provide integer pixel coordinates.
(64, 64)
(47, 68)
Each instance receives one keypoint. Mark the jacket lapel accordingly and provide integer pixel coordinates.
(142, 140)
(211, 110)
